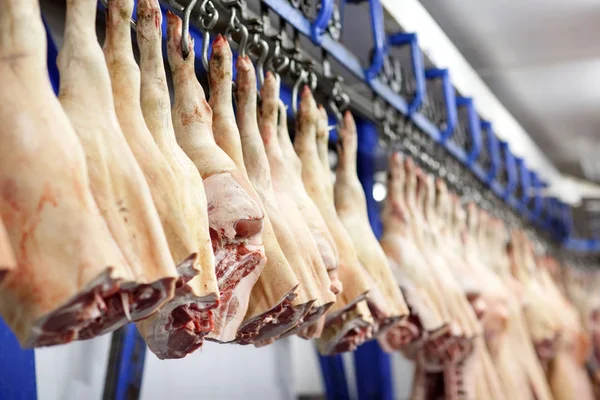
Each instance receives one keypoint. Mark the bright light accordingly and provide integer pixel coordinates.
(379, 191)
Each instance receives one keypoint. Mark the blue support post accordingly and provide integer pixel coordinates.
(449, 99)
(379, 42)
(565, 219)
(372, 364)
(319, 25)
(536, 185)
(525, 181)
(52, 54)
(411, 40)
(547, 213)
(334, 377)
(492, 149)
(474, 130)
(125, 365)
(17, 380)
(509, 164)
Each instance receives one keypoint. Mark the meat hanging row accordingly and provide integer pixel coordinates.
(199, 222)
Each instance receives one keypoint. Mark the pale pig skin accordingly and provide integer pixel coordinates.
(116, 180)
(300, 213)
(72, 280)
(385, 301)
(349, 322)
(180, 326)
(259, 172)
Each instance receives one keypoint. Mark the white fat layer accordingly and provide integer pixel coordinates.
(228, 202)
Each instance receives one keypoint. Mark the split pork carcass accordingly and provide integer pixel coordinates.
(349, 322)
(7, 256)
(490, 304)
(542, 323)
(116, 179)
(179, 327)
(408, 265)
(457, 242)
(235, 217)
(428, 238)
(567, 372)
(452, 344)
(385, 300)
(318, 226)
(526, 370)
(497, 321)
(469, 370)
(299, 212)
(277, 304)
(580, 287)
(71, 280)
(496, 297)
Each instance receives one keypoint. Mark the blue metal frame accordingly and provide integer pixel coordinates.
(379, 42)
(371, 363)
(536, 185)
(17, 380)
(449, 100)
(492, 149)
(509, 164)
(474, 127)
(525, 180)
(341, 54)
(410, 39)
(334, 377)
(126, 365)
(319, 25)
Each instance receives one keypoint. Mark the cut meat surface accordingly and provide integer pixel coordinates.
(71, 281)
(235, 218)
(347, 330)
(116, 180)
(179, 327)
(386, 301)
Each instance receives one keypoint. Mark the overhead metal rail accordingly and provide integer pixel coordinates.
(483, 155)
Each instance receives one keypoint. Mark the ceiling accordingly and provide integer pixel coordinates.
(541, 58)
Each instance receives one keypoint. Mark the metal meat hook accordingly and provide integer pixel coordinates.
(339, 101)
(296, 89)
(260, 64)
(236, 26)
(209, 16)
(185, 29)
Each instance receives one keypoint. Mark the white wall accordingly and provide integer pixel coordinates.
(220, 372)
(225, 372)
(74, 371)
